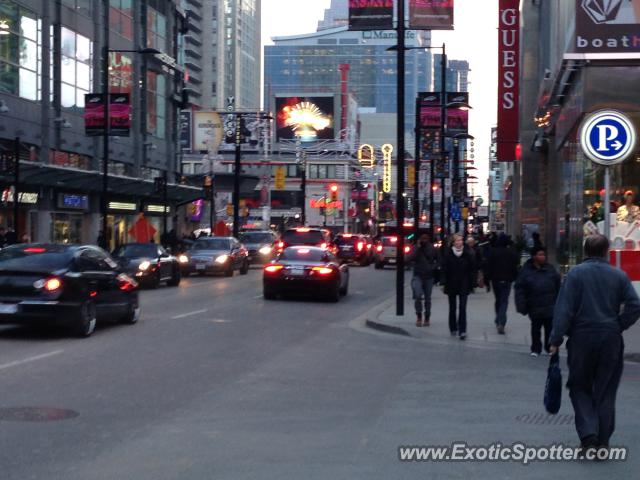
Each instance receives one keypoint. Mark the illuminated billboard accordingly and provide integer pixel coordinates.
(305, 118)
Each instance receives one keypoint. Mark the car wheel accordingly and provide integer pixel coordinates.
(175, 279)
(86, 323)
(379, 265)
(155, 283)
(229, 271)
(133, 315)
(244, 269)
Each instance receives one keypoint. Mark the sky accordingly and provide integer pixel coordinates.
(474, 38)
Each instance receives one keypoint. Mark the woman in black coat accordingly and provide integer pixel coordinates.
(459, 272)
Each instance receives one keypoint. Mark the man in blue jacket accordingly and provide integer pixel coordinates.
(596, 304)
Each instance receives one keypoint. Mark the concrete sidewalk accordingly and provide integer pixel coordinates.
(480, 322)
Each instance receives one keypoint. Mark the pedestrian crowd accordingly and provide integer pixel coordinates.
(592, 306)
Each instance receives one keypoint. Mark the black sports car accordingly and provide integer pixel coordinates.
(303, 269)
(73, 286)
(149, 264)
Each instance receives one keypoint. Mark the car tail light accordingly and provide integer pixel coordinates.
(393, 239)
(273, 268)
(303, 229)
(322, 270)
(379, 248)
(360, 246)
(303, 251)
(281, 246)
(407, 249)
(126, 283)
(369, 245)
(347, 235)
(323, 245)
(34, 250)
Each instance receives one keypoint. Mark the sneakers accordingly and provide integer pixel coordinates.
(534, 354)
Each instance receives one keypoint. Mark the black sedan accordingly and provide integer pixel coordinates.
(71, 286)
(149, 264)
(303, 269)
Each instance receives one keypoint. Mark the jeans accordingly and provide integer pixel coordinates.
(459, 325)
(422, 287)
(536, 326)
(501, 291)
(595, 367)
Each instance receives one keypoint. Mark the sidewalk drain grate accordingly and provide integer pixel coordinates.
(36, 414)
(545, 419)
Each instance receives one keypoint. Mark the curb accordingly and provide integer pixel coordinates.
(386, 328)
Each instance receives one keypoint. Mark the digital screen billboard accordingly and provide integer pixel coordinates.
(305, 118)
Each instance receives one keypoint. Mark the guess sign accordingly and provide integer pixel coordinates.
(508, 80)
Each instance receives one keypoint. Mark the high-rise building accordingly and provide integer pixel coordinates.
(337, 15)
(222, 52)
(461, 69)
(457, 75)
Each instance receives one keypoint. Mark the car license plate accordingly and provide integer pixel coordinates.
(201, 266)
(8, 308)
(392, 260)
(297, 272)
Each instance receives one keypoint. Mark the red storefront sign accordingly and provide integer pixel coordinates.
(508, 80)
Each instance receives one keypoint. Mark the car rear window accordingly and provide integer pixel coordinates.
(310, 254)
(35, 258)
(295, 237)
(212, 244)
(137, 251)
(389, 241)
(340, 240)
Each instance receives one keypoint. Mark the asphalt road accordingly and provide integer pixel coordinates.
(216, 383)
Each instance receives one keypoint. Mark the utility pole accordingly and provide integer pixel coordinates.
(401, 163)
(16, 187)
(443, 127)
(236, 177)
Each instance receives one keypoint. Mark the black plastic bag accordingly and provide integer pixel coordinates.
(553, 387)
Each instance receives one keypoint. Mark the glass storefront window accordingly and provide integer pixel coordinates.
(120, 73)
(156, 104)
(156, 30)
(121, 17)
(67, 228)
(76, 67)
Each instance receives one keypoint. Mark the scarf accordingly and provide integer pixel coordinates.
(456, 252)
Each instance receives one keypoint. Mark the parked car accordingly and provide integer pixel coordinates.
(385, 251)
(68, 285)
(352, 248)
(302, 269)
(307, 236)
(217, 255)
(149, 264)
(261, 245)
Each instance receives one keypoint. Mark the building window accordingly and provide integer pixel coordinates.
(77, 74)
(80, 6)
(20, 52)
(121, 18)
(120, 73)
(156, 104)
(156, 30)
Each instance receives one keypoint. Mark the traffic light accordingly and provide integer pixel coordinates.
(333, 189)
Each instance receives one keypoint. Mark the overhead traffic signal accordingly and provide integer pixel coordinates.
(333, 189)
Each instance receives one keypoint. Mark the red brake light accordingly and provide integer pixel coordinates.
(379, 248)
(303, 251)
(280, 245)
(393, 239)
(360, 246)
(273, 268)
(407, 249)
(347, 235)
(52, 284)
(93, 294)
(34, 250)
(322, 270)
(369, 245)
(323, 245)
(126, 283)
(303, 229)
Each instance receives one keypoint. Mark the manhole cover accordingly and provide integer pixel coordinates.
(632, 357)
(36, 414)
(545, 419)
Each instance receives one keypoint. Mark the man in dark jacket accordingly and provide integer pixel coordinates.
(536, 290)
(501, 269)
(596, 304)
(425, 264)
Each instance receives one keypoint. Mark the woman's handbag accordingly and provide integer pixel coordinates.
(553, 387)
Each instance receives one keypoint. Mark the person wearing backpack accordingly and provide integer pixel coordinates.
(425, 268)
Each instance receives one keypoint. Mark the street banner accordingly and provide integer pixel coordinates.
(457, 117)
(429, 111)
(431, 14)
(207, 131)
(280, 180)
(508, 80)
(609, 27)
(119, 114)
(370, 14)
(185, 130)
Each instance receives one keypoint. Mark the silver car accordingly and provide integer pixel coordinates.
(217, 255)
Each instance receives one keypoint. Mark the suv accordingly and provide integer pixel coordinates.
(314, 237)
(352, 248)
(386, 251)
(260, 245)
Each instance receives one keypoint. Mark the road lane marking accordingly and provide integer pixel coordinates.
(30, 359)
(190, 314)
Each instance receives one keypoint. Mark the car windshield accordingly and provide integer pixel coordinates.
(296, 237)
(308, 254)
(256, 237)
(350, 240)
(137, 251)
(48, 258)
(211, 244)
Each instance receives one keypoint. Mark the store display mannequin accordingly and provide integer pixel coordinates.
(628, 212)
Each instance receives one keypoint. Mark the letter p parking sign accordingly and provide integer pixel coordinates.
(607, 137)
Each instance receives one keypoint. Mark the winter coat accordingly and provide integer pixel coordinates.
(459, 273)
(502, 264)
(425, 261)
(536, 290)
